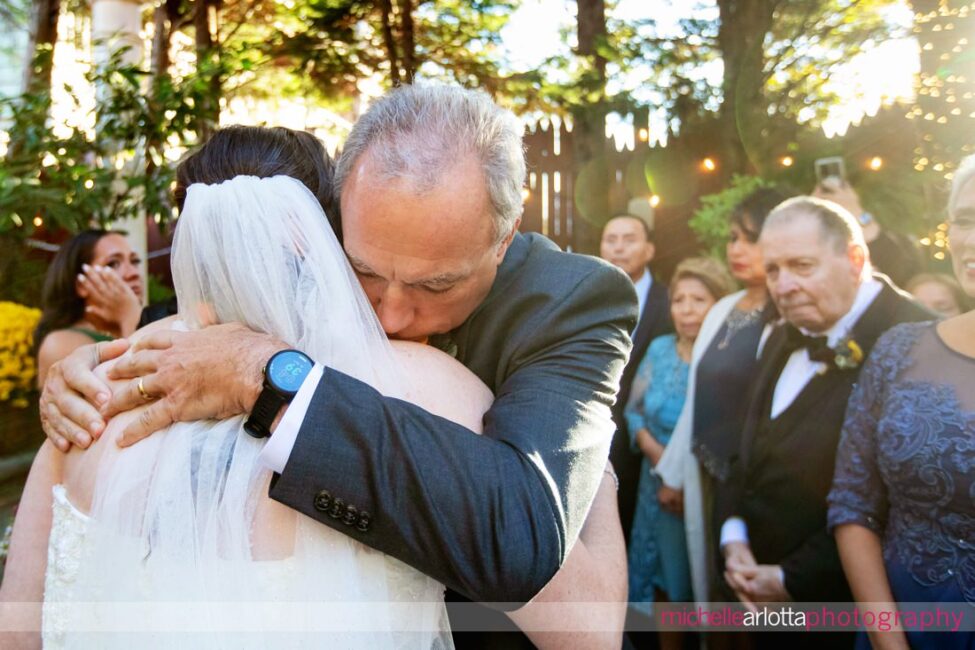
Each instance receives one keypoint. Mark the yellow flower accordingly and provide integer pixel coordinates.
(856, 352)
(17, 366)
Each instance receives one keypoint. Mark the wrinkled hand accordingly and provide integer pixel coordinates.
(110, 298)
(72, 395)
(215, 372)
(738, 555)
(671, 500)
(760, 582)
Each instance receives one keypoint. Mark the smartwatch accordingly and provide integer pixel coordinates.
(283, 376)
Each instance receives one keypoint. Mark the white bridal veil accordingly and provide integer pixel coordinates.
(183, 537)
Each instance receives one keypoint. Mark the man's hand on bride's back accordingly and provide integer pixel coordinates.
(73, 395)
(215, 372)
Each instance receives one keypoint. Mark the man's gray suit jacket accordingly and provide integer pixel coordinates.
(490, 516)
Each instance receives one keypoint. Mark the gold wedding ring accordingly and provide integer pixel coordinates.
(142, 391)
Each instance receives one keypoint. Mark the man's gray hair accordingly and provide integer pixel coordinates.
(964, 174)
(836, 225)
(420, 131)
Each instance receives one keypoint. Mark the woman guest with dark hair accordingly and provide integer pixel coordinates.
(902, 507)
(724, 359)
(92, 292)
(659, 570)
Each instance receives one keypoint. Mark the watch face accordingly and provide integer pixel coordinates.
(287, 370)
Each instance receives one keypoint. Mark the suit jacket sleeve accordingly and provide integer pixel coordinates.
(813, 572)
(490, 516)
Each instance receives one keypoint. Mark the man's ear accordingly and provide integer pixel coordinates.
(651, 251)
(503, 246)
(858, 258)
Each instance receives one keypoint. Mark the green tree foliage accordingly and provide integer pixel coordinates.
(70, 177)
(777, 57)
(338, 44)
(712, 221)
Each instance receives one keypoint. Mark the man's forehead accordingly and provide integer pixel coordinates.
(622, 225)
(791, 239)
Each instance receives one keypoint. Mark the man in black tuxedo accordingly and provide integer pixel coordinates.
(627, 242)
(430, 181)
(774, 539)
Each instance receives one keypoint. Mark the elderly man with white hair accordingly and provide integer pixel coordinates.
(774, 539)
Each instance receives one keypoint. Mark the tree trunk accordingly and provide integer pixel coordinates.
(37, 72)
(409, 41)
(589, 132)
(741, 38)
(163, 18)
(43, 37)
(206, 60)
(385, 12)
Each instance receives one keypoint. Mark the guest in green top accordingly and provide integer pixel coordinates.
(93, 291)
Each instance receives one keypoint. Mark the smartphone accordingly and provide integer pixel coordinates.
(832, 167)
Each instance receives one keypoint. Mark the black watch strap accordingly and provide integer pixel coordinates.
(266, 408)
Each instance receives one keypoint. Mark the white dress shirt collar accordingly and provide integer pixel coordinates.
(642, 287)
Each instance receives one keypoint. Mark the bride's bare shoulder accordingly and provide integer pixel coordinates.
(442, 385)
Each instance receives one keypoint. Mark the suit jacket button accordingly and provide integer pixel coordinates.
(351, 516)
(364, 520)
(323, 501)
(337, 510)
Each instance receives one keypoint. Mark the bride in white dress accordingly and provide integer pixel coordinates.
(174, 543)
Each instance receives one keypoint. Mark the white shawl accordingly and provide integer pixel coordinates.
(678, 467)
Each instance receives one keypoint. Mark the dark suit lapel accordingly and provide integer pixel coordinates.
(774, 357)
(879, 316)
(654, 309)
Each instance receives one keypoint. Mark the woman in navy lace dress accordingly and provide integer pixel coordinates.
(902, 506)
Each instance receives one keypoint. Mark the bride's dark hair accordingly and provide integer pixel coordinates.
(262, 152)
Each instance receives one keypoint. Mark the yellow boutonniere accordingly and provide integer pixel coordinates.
(849, 355)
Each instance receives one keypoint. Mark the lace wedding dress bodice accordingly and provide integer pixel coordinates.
(83, 613)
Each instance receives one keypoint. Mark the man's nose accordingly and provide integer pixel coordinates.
(394, 310)
(784, 284)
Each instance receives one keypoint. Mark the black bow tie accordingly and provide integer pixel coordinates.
(818, 346)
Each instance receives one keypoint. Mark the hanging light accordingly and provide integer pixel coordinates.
(654, 200)
(709, 165)
(876, 163)
(786, 161)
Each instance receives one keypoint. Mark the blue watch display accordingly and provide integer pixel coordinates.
(287, 370)
(283, 376)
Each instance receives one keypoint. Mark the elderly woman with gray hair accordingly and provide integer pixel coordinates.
(902, 506)
(659, 568)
